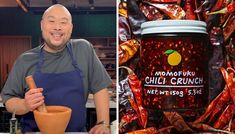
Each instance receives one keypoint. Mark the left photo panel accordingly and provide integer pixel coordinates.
(58, 67)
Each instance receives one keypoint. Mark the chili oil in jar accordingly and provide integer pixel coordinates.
(174, 65)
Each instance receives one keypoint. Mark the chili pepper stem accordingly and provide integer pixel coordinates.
(128, 69)
(225, 23)
(197, 13)
(230, 124)
(199, 9)
(229, 68)
(219, 130)
(222, 11)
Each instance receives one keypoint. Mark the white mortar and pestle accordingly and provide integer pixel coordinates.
(50, 119)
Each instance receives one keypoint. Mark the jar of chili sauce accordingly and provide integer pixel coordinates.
(174, 64)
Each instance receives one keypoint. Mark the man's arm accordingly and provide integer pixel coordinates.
(101, 99)
(33, 99)
(16, 104)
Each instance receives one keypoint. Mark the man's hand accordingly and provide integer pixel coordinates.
(34, 98)
(100, 129)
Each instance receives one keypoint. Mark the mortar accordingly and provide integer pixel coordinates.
(50, 119)
(54, 121)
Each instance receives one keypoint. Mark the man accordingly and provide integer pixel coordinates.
(64, 70)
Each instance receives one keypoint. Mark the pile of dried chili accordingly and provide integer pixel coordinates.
(220, 18)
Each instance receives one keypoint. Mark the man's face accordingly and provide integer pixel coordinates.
(56, 28)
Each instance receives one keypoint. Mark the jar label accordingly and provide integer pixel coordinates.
(173, 80)
(174, 73)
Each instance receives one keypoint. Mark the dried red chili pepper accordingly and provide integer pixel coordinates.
(151, 12)
(213, 20)
(228, 77)
(205, 128)
(231, 84)
(225, 97)
(165, 130)
(177, 121)
(127, 118)
(216, 36)
(197, 10)
(151, 130)
(201, 8)
(133, 104)
(223, 18)
(233, 125)
(165, 1)
(125, 122)
(143, 116)
(229, 63)
(136, 108)
(136, 88)
(216, 83)
(230, 50)
(124, 30)
(124, 91)
(209, 109)
(231, 7)
(219, 102)
(225, 117)
(174, 11)
(189, 11)
(122, 8)
(127, 50)
(135, 17)
(228, 9)
(229, 27)
(218, 5)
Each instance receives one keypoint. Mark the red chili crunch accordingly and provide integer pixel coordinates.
(174, 65)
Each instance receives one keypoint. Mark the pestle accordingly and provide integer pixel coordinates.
(30, 82)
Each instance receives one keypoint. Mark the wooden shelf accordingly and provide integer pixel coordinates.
(105, 47)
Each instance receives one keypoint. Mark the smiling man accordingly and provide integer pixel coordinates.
(56, 29)
(65, 71)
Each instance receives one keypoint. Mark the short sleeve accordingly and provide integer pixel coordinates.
(98, 76)
(14, 86)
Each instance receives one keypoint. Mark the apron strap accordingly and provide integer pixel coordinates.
(41, 60)
(69, 49)
(74, 62)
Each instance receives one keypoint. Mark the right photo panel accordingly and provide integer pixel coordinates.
(176, 66)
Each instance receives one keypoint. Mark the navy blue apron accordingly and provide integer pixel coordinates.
(65, 89)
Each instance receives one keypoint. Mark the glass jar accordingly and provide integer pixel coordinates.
(174, 64)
